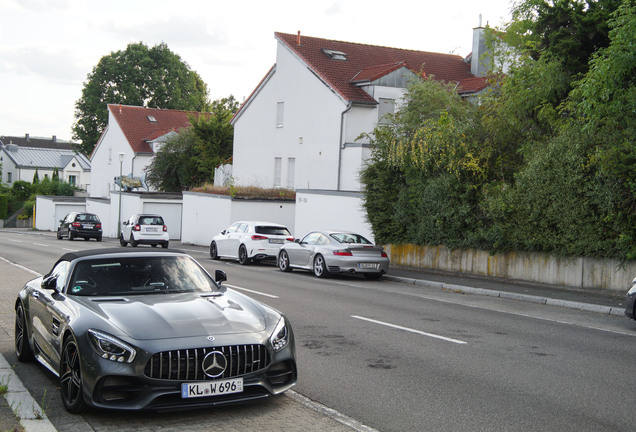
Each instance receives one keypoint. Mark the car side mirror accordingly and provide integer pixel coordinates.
(296, 240)
(220, 276)
(49, 283)
(223, 232)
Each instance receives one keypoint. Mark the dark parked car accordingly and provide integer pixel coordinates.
(150, 329)
(630, 304)
(77, 224)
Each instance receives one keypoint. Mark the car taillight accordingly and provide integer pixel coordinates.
(77, 224)
(290, 239)
(258, 237)
(165, 228)
(342, 253)
(137, 227)
(384, 255)
(98, 226)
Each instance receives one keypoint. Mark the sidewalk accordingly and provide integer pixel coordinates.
(569, 297)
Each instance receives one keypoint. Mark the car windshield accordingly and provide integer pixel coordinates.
(350, 238)
(272, 230)
(138, 275)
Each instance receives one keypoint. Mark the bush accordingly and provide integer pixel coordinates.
(4, 206)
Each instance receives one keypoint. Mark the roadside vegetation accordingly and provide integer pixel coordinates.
(545, 161)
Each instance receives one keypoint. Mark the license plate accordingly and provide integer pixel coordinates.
(211, 388)
(368, 265)
(277, 241)
(152, 229)
(88, 226)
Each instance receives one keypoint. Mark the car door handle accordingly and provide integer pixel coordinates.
(35, 295)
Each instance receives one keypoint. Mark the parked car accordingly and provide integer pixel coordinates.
(79, 224)
(630, 303)
(95, 320)
(325, 252)
(249, 241)
(144, 229)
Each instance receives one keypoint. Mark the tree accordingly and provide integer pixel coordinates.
(189, 158)
(36, 177)
(140, 76)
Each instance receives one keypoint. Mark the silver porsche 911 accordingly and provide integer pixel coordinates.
(151, 330)
(325, 252)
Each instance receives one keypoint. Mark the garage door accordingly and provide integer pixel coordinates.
(171, 213)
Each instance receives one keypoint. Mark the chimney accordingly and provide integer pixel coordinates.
(54, 139)
(26, 137)
(119, 108)
(298, 38)
(478, 61)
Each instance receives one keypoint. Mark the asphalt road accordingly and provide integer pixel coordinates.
(399, 357)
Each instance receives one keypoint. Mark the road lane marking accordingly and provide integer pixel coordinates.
(40, 244)
(15, 241)
(252, 291)
(409, 330)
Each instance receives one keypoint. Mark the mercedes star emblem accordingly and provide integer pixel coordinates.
(214, 364)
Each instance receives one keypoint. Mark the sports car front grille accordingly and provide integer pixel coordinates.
(186, 365)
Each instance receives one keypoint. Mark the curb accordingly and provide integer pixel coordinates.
(606, 310)
(32, 418)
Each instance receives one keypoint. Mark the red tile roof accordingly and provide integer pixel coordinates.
(135, 123)
(367, 61)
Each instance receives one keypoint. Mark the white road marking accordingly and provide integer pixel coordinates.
(409, 330)
(252, 291)
(15, 241)
(40, 244)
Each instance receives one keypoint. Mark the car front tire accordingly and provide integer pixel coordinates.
(320, 268)
(214, 253)
(283, 261)
(59, 235)
(242, 255)
(71, 385)
(22, 347)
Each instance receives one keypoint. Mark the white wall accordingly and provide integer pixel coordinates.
(331, 210)
(105, 159)
(311, 112)
(49, 211)
(205, 215)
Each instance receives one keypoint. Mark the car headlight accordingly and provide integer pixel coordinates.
(280, 337)
(111, 348)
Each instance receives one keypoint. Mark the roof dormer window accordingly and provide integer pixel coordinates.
(152, 119)
(335, 55)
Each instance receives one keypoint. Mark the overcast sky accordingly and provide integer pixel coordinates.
(48, 47)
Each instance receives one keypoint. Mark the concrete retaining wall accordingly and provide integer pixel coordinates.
(584, 273)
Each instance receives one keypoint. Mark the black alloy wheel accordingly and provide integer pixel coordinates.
(242, 255)
(71, 377)
(22, 347)
(214, 254)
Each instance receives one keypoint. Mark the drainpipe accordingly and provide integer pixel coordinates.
(341, 143)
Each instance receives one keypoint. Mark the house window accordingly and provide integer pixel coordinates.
(72, 180)
(291, 171)
(280, 113)
(278, 163)
(386, 106)
(9, 177)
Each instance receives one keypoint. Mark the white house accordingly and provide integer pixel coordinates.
(301, 126)
(22, 156)
(134, 134)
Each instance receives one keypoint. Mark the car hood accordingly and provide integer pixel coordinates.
(161, 316)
